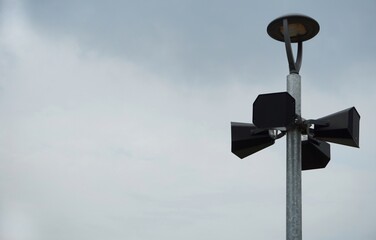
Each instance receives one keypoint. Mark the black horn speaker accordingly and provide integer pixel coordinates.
(248, 139)
(341, 127)
(274, 110)
(315, 154)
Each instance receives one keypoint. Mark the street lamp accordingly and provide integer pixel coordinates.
(277, 114)
(295, 28)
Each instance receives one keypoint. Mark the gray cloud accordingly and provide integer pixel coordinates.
(104, 136)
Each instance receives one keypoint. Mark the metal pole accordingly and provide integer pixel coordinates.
(294, 166)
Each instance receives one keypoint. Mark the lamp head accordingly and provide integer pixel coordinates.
(301, 28)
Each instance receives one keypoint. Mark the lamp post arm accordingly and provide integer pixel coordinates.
(294, 66)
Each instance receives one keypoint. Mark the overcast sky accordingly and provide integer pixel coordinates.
(115, 119)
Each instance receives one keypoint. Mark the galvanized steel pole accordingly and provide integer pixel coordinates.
(294, 166)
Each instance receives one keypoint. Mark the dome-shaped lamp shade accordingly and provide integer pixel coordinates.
(301, 28)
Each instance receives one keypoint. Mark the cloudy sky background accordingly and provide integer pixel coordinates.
(115, 119)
